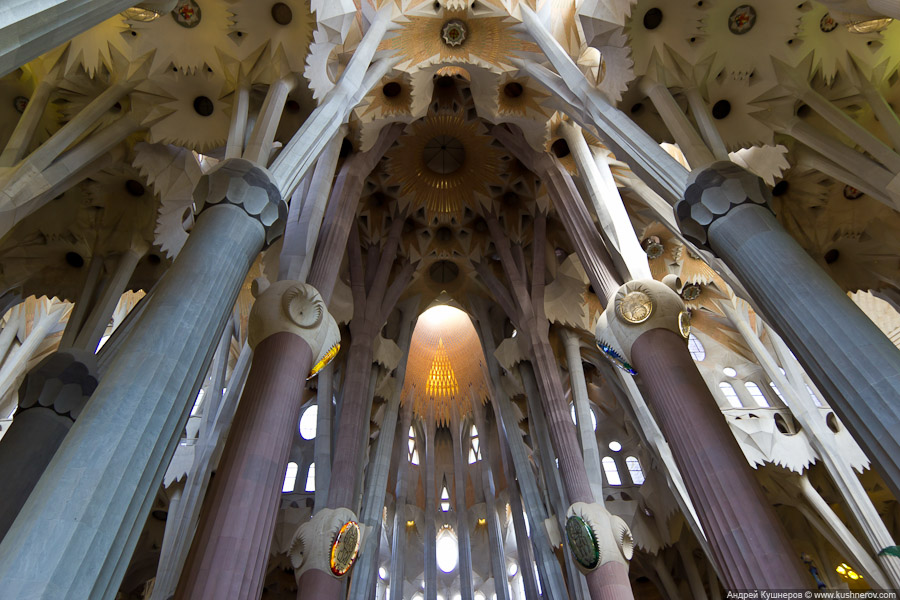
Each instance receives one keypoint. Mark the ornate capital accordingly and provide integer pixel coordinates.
(596, 537)
(328, 542)
(637, 307)
(242, 183)
(296, 308)
(62, 382)
(712, 192)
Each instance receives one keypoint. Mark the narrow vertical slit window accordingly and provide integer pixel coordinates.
(612, 472)
(290, 477)
(311, 478)
(634, 470)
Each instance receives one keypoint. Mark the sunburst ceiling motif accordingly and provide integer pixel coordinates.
(445, 368)
(490, 42)
(444, 163)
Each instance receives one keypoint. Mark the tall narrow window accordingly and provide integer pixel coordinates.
(730, 395)
(447, 551)
(311, 478)
(308, 422)
(474, 447)
(698, 352)
(445, 499)
(593, 417)
(290, 477)
(612, 472)
(634, 470)
(413, 453)
(756, 394)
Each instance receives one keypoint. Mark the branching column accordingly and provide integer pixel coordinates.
(289, 329)
(86, 513)
(524, 304)
(374, 297)
(645, 325)
(852, 362)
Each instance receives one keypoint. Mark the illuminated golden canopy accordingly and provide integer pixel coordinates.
(446, 366)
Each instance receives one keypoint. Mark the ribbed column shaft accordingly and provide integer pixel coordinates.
(72, 538)
(748, 541)
(851, 361)
(430, 510)
(231, 547)
(460, 460)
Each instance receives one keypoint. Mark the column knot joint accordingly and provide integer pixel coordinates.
(712, 192)
(328, 542)
(597, 537)
(635, 308)
(298, 308)
(62, 382)
(244, 184)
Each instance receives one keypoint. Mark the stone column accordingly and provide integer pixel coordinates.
(851, 361)
(583, 412)
(430, 510)
(50, 399)
(398, 537)
(73, 536)
(495, 539)
(461, 440)
(322, 444)
(370, 517)
(290, 330)
(646, 325)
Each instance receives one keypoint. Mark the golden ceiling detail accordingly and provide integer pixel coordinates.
(441, 383)
(490, 42)
(445, 367)
(444, 185)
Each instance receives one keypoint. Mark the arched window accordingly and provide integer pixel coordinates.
(730, 395)
(447, 551)
(698, 352)
(756, 394)
(634, 469)
(445, 499)
(311, 478)
(593, 417)
(474, 447)
(308, 422)
(290, 477)
(612, 472)
(413, 455)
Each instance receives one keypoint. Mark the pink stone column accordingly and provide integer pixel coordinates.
(748, 541)
(231, 547)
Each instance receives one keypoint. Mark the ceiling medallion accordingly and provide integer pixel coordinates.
(653, 247)
(684, 323)
(635, 307)
(345, 549)
(691, 291)
(454, 32)
(582, 542)
(851, 193)
(615, 358)
(827, 23)
(186, 13)
(742, 19)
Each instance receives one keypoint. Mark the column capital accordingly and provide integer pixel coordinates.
(62, 382)
(597, 537)
(712, 192)
(635, 308)
(242, 183)
(297, 308)
(328, 542)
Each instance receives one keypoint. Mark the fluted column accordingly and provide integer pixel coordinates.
(461, 439)
(851, 361)
(583, 412)
(50, 399)
(430, 510)
(73, 536)
(495, 539)
(290, 328)
(645, 325)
